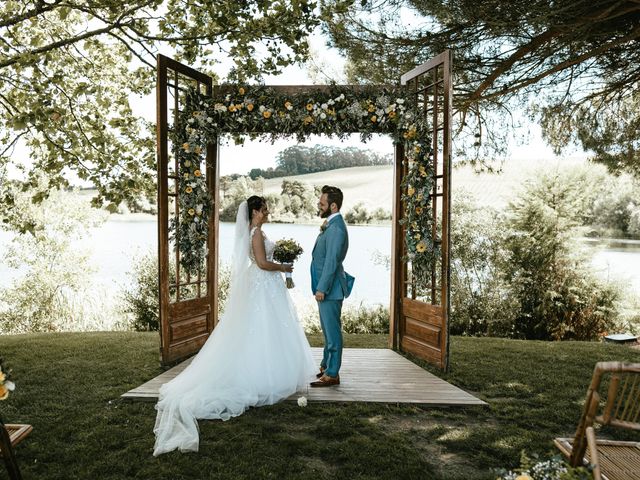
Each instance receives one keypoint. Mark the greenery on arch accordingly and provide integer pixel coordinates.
(267, 113)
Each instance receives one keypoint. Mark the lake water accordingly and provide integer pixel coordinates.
(119, 241)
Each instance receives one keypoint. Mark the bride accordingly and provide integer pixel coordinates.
(257, 354)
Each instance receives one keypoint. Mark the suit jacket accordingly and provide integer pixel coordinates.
(327, 274)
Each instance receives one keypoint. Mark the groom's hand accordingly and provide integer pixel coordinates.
(319, 296)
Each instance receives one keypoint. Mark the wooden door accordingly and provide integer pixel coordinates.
(188, 302)
(420, 306)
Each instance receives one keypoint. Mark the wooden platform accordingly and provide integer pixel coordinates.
(367, 375)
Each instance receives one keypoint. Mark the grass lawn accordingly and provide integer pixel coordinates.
(68, 388)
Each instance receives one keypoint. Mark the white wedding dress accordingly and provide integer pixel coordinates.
(257, 354)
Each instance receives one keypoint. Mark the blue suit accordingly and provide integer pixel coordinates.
(328, 276)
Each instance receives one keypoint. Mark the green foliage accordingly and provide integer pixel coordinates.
(481, 303)
(359, 320)
(72, 72)
(140, 299)
(235, 192)
(55, 291)
(358, 214)
(558, 297)
(300, 160)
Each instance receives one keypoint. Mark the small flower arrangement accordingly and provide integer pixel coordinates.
(302, 401)
(6, 385)
(554, 468)
(287, 251)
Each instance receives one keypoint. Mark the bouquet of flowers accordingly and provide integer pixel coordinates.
(6, 385)
(287, 251)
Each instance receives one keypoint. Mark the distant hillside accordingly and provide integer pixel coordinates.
(374, 185)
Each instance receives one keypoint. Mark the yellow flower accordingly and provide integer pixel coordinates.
(250, 106)
(416, 149)
(186, 176)
(523, 476)
(188, 189)
(187, 163)
(309, 106)
(192, 212)
(421, 247)
(308, 120)
(185, 147)
(414, 224)
(4, 392)
(420, 197)
(410, 133)
(197, 173)
(419, 210)
(417, 236)
(372, 108)
(239, 106)
(374, 119)
(392, 114)
(241, 91)
(2, 377)
(411, 191)
(266, 114)
(288, 105)
(232, 108)
(198, 150)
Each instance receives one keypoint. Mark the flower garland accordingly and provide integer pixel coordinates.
(268, 113)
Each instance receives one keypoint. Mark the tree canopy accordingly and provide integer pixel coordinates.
(71, 71)
(574, 64)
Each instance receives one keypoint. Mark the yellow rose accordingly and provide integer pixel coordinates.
(4, 392)
(188, 189)
(197, 173)
(371, 108)
(250, 106)
(419, 210)
(416, 149)
(239, 106)
(421, 247)
(309, 106)
(198, 150)
(185, 147)
(411, 191)
(232, 108)
(241, 91)
(374, 119)
(266, 114)
(523, 476)
(192, 212)
(392, 114)
(308, 120)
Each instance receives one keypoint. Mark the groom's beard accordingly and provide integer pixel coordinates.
(324, 213)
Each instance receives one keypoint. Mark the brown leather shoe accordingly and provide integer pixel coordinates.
(318, 375)
(326, 381)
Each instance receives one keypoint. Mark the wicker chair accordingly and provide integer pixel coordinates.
(10, 436)
(611, 460)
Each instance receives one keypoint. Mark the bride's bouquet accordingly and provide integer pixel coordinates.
(287, 251)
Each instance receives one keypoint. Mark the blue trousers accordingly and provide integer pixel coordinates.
(330, 311)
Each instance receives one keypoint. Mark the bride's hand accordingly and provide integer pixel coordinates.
(287, 267)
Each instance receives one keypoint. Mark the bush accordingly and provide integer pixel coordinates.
(140, 301)
(361, 319)
(358, 214)
(480, 299)
(554, 468)
(558, 297)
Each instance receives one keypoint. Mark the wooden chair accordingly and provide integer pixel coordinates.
(611, 460)
(10, 436)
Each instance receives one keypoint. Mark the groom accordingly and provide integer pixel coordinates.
(330, 283)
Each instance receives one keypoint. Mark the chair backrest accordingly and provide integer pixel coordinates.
(621, 407)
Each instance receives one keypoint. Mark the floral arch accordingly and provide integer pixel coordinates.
(202, 113)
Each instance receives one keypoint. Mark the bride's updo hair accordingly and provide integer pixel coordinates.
(255, 202)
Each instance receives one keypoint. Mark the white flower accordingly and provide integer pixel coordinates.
(219, 107)
(12, 386)
(302, 401)
(191, 120)
(324, 106)
(199, 208)
(400, 100)
(323, 115)
(209, 119)
(262, 108)
(331, 102)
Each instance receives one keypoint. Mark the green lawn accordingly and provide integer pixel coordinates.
(68, 388)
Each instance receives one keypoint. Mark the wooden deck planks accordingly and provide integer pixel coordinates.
(367, 375)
